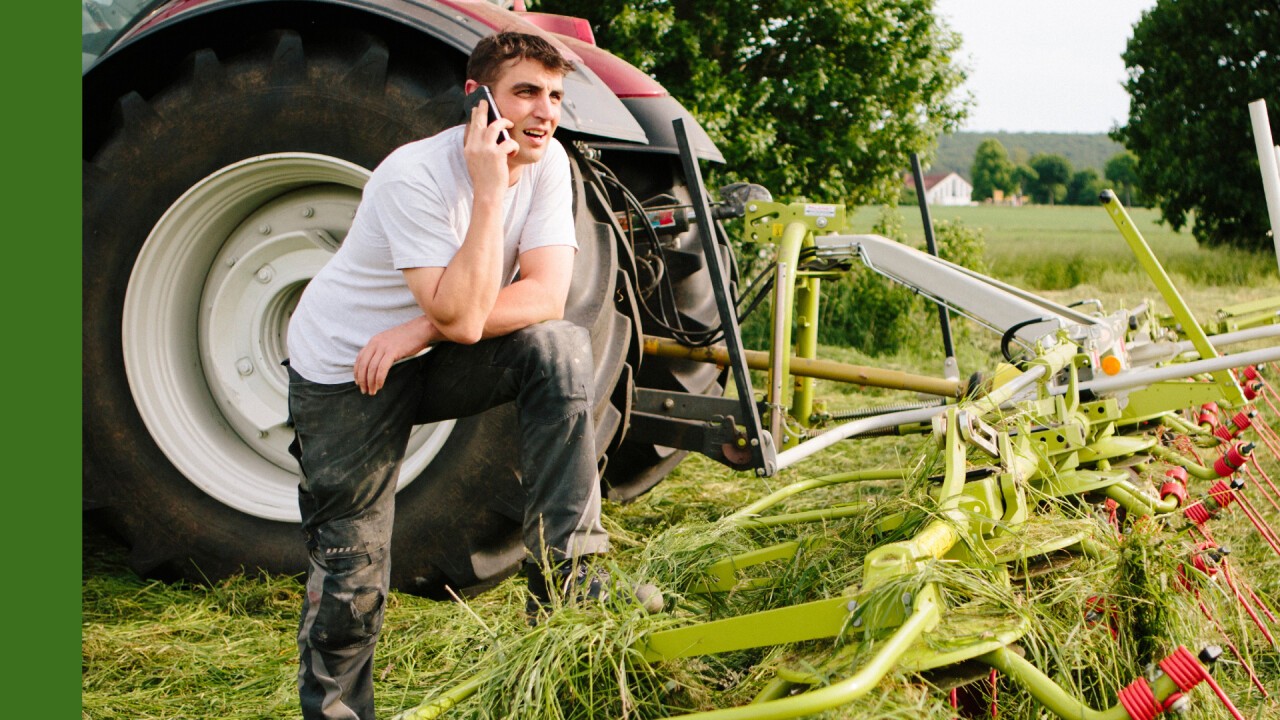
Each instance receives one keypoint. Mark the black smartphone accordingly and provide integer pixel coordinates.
(483, 93)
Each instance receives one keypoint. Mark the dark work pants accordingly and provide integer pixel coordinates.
(350, 447)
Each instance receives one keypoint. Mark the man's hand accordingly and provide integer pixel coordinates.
(486, 157)
(384, 349)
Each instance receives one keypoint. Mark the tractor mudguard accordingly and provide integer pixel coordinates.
(592, 107)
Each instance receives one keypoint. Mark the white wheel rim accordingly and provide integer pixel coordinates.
(205, 316)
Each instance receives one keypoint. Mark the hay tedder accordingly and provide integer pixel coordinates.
(1107, 431)
(1058, 524)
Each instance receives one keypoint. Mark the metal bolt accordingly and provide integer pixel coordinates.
(231, 262)
(852, 606)
(244, 366)
(857, 622)
(264, 229)
(308, 211)
(668, 404)
(822, 222)
(759, 472)
(752, 207)
(1210, 654)
(755, 442)
(266, 274)
(262, 434)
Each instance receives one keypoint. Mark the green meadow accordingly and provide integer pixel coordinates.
(1074, 253)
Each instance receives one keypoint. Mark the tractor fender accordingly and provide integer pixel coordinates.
(592, 106)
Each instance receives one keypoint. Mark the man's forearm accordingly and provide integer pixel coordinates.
(520, 305)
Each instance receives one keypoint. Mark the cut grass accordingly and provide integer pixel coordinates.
(182, 651)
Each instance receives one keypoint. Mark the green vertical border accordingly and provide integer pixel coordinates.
(41, 351)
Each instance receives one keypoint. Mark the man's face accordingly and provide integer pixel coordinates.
(529, 95)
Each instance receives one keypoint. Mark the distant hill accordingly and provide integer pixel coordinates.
(955, 152)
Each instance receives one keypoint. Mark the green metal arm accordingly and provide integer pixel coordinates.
(925, 616)
(1054, 698)
(1136, 502)
(1174, 457)
(1147, 259)
(750, 511)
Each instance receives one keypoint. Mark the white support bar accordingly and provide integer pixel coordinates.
(1269, 160)
(1006, 392)
(1145, 376)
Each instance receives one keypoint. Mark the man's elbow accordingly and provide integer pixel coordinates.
(462, 333)
(463, 329)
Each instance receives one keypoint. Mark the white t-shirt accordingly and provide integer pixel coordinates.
(415, 212)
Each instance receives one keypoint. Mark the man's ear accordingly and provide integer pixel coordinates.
(469, 86)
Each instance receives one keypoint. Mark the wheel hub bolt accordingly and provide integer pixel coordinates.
(266, 274)
(264, 229)
(308, 211)
(244, 366)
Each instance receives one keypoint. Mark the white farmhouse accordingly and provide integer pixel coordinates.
(944, 189)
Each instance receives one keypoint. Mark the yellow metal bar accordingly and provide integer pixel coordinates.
(1147, 259)
(807, 300)
(925, 617)
(943, 531)
(795, 623)
(796, 488)
(794, 237)
(819, 369)
(1053, 697)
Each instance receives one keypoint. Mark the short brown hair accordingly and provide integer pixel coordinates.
(495, 51)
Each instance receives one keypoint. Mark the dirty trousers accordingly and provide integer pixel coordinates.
(350, 447)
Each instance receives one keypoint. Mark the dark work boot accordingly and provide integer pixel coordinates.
(570, 582)
(579, 582)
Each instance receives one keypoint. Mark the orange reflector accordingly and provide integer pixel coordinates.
(1111, 365)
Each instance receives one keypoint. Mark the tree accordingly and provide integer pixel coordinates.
(1193, 68)
(1085, 187)
(1024, 178)
(1052, 174)
(991, 170)
(1122, 171)
(825, 99)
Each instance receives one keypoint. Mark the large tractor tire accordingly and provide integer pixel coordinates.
(214, 196)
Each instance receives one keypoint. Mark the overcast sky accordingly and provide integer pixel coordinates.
(1044, 65)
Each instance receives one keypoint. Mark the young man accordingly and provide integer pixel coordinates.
(429, 262)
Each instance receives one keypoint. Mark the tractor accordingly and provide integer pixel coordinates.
(226, 143)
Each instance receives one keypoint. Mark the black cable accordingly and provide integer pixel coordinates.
(668, 304)
(1008, 335)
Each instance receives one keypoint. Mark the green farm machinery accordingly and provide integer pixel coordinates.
(1105, 436)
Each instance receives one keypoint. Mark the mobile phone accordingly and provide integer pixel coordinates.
(483, 93)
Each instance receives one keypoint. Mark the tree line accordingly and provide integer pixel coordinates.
(1049, 179)
(955, 152)
(827, 99)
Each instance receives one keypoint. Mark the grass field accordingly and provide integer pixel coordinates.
(226, 650)
(1057, 248)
